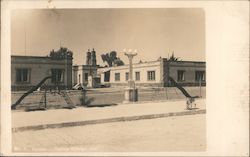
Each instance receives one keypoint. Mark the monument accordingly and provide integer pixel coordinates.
(131, 92)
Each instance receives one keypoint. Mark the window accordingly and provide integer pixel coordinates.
(86, 75)
(22, 75)
(199, 75)
(79, 78)
(106, 76)
(181, 76)
(127, 75)
(57, 75)
(117, 76)
(137, 76)
(151, 75)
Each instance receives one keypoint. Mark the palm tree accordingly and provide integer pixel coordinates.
(172, 58)
(112, 59)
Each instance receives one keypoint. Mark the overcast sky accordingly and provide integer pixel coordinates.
(153, 32)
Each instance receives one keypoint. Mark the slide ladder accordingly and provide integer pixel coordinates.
(13, 106)
(41, 102)
(67, 99)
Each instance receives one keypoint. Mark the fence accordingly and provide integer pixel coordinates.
(100, 97)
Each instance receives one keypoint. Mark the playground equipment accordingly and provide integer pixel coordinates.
(13, 106)
(64, 94)
(190, 99)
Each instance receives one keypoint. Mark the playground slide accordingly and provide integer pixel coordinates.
(13, 106)
(181, 88)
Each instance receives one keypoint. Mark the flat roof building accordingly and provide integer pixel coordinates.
(28, 71)
(81, 73)
(155, 73)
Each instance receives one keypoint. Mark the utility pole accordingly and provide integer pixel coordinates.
(25, 34)
(45, 98)
(200, 86)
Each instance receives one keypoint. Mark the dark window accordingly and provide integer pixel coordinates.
(79, 78)
(106, 76)
(86, 75)
(137, 76)
(22, 75)
(199, 75)
(117, 76)
(127, 75)
(57, 75)
(151, 75)
(181, 75)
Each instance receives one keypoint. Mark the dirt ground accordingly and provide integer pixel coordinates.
(181, 133)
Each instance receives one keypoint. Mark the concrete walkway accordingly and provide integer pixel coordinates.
(37, 120)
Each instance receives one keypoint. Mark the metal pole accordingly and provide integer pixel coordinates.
(200, 86)
(45, 99)
(25, 31)
(66, 75)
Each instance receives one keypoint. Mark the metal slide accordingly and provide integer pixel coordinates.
(181, 88)
(190, 99)
(13, 106)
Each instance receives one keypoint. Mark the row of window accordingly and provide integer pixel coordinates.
(23, 75)
(199, 75)
(137, 76)
(86, 75)
(150, 76)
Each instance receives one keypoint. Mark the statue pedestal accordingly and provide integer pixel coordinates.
(131, 95)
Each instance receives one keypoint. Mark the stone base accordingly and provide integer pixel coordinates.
(131, 95)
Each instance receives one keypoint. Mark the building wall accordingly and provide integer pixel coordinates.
(81, 70)
(143, 68)
(189, 67)
(75, 75)
(39, 67)
(162, 69)
(164, 72)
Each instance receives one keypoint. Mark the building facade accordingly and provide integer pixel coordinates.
(155, 73)
(82, 73)
(86, 75)
(28, 71)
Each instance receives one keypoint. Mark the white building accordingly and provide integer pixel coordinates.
(143, 73)
(81, 73)
(154, 73)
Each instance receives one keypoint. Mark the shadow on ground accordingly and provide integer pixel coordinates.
(101, 105)
(86, 106)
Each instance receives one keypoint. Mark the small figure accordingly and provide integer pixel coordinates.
(190, 101)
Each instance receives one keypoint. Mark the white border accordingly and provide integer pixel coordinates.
(227, 57)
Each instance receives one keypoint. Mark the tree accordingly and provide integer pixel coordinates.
(172, 58)
(106, 58)
(113, 55)
(62, 53)
(118, 62)
(112, 59)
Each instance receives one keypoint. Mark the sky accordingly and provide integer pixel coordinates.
(153, 33)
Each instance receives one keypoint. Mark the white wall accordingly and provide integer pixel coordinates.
(143, 68)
